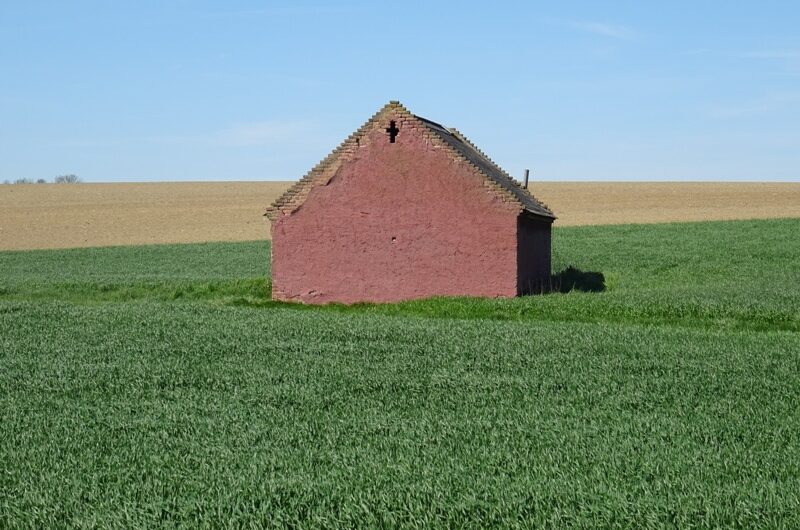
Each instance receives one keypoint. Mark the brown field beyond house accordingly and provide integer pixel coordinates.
(81, 215)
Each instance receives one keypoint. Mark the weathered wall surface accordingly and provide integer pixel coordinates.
(533, 254)
(396, 221)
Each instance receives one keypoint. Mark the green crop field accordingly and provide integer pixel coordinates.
(159, 386)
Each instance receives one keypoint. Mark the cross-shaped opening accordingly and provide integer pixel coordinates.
(392, 130)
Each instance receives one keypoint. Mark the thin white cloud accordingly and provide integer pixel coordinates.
(272, 133)
(250, 134)
(773, 54)
(281, 11)
(769, 103)
(697, 51)
(604, 29)
(788, 59)
(263, 133)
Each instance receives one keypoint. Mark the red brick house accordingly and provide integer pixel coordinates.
(405, 208)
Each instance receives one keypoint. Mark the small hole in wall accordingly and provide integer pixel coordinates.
(393, 131)
(394, 239)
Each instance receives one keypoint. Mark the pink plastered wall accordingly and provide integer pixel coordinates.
(396, 221)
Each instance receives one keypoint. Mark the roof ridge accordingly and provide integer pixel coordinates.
(461, 137)
(512, 179)
(461, 156)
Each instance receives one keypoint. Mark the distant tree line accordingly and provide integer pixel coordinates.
(61, 179)
(66, 179)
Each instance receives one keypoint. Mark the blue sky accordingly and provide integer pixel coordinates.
(246, 90)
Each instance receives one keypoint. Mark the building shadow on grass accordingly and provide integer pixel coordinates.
(574, 279)
(568, 280)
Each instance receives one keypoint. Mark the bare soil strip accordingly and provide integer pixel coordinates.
(36, 216)
(602, 203)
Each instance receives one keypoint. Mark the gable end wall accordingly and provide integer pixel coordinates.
(396, 221)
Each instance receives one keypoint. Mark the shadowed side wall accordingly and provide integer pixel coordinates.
(396, 221)
(533, 254)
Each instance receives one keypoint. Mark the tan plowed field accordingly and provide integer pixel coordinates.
(79, 215)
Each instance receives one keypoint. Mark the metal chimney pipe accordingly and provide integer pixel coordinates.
(525, 182)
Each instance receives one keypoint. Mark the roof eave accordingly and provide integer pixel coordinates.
(538, 215)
